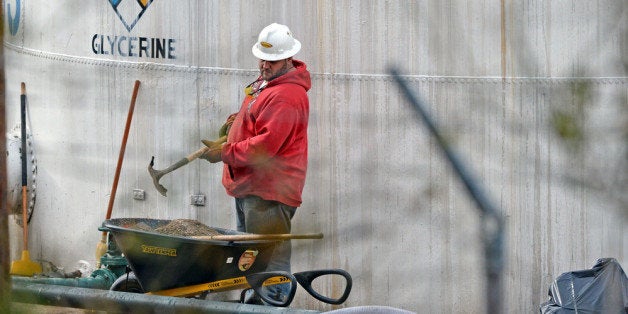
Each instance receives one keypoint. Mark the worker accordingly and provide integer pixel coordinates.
(265, 155)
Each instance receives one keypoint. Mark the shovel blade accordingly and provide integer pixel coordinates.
(25, 267)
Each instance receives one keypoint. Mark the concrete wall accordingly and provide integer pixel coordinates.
(500, 77)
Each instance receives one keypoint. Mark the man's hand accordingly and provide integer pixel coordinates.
(213, 155)
(224, 130)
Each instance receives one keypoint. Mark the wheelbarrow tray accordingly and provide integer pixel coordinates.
(163, 261)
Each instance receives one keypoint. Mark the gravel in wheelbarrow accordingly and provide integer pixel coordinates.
(163, 253)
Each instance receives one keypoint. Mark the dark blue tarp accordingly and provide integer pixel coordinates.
(601, 289)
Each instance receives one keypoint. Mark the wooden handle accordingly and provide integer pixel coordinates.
(24, 219)
(251, 237)
(197, 153)
(201, 151)
(129, 117)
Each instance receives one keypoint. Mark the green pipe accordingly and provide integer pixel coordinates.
(125, 302)
(100, 279)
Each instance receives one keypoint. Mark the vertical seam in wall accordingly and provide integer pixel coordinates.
(503, 37)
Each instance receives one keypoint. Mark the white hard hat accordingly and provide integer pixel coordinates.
(275, 42)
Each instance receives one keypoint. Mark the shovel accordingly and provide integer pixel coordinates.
(101, 247)
(24, 267)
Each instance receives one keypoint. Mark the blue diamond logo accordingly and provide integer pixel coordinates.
(130, 11)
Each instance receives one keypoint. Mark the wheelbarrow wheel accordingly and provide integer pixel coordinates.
(127, 283)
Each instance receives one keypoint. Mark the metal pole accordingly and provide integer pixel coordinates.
(492, 223)
(4, 214)
(125, 302)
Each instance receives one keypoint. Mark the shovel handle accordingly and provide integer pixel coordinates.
(252, 237)
(24, 172)
(23, 130)
(129, 117)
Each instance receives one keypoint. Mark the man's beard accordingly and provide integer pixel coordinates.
(280, 72)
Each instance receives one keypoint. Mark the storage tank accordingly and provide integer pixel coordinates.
(531, 94)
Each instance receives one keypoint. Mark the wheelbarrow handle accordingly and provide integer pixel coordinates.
(251, 237)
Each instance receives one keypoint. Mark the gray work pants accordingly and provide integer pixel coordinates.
(256, 215)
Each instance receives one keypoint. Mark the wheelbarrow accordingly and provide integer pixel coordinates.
(193, 266)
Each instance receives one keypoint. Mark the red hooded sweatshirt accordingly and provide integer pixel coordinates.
(266, 150)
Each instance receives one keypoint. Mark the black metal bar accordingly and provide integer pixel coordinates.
(492, 223)
(5, 282)
(23, 133)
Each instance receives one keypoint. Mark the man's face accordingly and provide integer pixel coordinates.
(272, 69)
